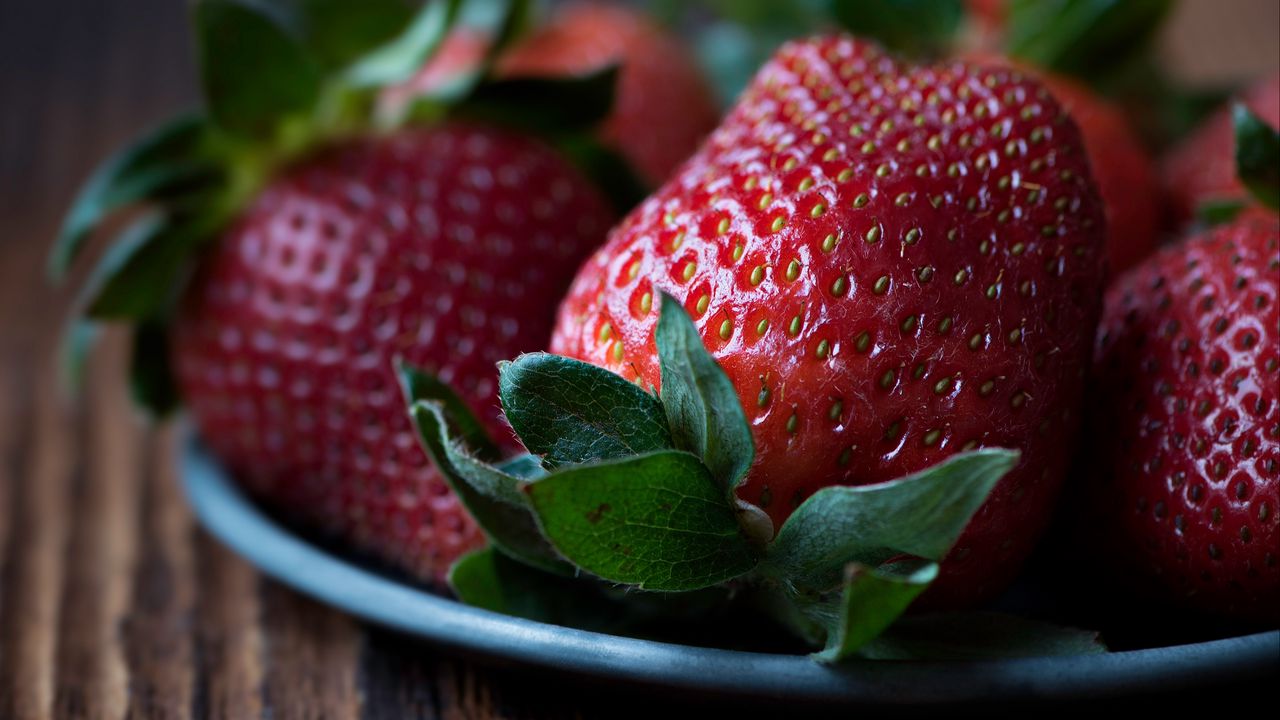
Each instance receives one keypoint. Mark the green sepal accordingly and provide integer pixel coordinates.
(503, 21)
(179, 156)
(656, 522)
(465, 426)
(978, 636)
(489, 494)
(491, 580)
(1090, 39)
(151, 380)
(912, 27)
(548, 106)
(571, 412)
(921, 515)
(398, 60)
(139, 274)
(607, 168)
(1219, 211)
(506, 19)
(702, 406)
(1257, 156)
(338, 32)
(869, 602)
(254, 69)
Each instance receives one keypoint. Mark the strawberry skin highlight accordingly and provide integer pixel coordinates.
(891, 265)
(445, 247)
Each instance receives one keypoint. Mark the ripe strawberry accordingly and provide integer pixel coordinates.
(319, 252)
(1201, 169)
(1124, 171)
(891, 264)
(1121, 166)
(447, 247)
(1186, 421)
(664, 106)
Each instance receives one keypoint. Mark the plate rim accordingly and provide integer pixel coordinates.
(226, 513)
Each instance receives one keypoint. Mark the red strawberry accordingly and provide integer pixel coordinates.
(319, 252)
(1124, 171)
(1121, 166)
(1186, 421)
(891, 264)
(664, 106)
(1201, 169)
(447, 247)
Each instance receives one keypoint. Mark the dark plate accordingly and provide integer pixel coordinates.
(375, 597)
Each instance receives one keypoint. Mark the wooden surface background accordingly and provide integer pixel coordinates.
(112, 603)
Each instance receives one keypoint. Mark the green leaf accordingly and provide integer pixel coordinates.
(920, 515)
(138, 276)
(506, 20)
(337, 32)
(488, 494)
(177, 156)
(1257, 156)
(253, 67)
(554, 106)
(1217, 212)
(656, 521)
(702, 407)
(607, 168)
(419, 385)
(1086, 38)
(501, 20)
(150, 375)
(490, 580)
(914, 27)
(398, 60)
(872, 599)
(572, 412)
(978, 636)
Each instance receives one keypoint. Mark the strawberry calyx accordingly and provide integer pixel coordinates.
(1257, 160)
(1257, 156)
(280, 82)
(638, 490)
(1090, 39)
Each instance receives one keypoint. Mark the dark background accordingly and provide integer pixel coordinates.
(112, 603)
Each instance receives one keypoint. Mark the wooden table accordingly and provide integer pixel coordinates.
(112, 602)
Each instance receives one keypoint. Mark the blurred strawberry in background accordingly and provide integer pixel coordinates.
(663, 104)
(1201, 169)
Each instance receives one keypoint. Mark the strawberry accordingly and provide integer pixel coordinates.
(1123, 169)
(447, 247)
(891, 264)
(664, 106)
(319, 252)
(1186, 422)
(1121, 166)
(1199, 170)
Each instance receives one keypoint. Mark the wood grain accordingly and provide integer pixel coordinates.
(31, 579)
